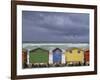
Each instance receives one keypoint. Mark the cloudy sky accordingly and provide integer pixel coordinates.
(55, 27)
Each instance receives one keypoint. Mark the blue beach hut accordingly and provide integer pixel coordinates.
(57, 56)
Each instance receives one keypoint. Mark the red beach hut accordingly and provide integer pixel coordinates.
(87, 57)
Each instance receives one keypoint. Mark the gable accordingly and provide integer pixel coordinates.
(39, 50)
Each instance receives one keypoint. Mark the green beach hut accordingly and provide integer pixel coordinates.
(39, 56)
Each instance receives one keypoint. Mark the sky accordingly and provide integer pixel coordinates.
(39, 26)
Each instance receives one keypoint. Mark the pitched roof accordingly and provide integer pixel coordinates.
(24, 50)
(39, 49)
(74, 49)
(57, 49)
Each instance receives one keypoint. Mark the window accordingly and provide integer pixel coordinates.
(70, 51)
(78, 51)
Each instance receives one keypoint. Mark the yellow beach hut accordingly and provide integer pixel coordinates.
(74, 56)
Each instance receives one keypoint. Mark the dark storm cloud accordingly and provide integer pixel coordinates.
(55, 27)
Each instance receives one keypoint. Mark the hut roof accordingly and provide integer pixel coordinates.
(39, 49)
(57, 49)
(74, 49)
(24, 50)
(86, 50)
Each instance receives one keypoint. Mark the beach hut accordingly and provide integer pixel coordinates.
(74, 56)
(24, 58)
(86, 57)
(57, 56)
(39, 57)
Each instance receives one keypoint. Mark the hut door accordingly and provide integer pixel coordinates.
(57, 57)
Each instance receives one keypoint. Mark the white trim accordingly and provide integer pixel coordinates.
(28, 51)
(50, 57)
(63, 56)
